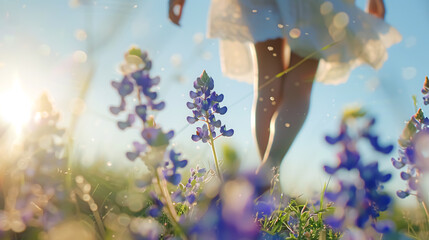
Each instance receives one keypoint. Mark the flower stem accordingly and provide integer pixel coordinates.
(426, 210)
(171, 211)
(219, 173)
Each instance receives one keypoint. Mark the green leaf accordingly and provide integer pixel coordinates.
(353, 112)
(204, 77)
(135, 51)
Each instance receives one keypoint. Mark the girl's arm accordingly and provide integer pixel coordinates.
(175, 10)
(376, 8)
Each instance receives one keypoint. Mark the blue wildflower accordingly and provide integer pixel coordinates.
(202, 134)
(128, 123)
(155, 209)
(349, 157)
(192, 189)
(205, 105)
(230, 215)
(39, 183)
(138, 82)
(155, 137)
(170, 173)
(412, 145)
(366, 200)
(138, 149)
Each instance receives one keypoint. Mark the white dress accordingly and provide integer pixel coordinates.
(309, 26)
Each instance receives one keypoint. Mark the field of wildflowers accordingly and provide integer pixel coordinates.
(44, 196)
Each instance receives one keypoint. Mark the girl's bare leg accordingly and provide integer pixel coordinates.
(291, 112)
(270, 59)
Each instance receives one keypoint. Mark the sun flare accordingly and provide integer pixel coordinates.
(15, 106)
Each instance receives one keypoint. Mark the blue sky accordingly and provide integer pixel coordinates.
(41, 41)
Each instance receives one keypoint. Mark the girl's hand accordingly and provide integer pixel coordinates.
(175, 10)
(376, 8)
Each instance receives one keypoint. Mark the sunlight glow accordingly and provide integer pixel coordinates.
(15, 106)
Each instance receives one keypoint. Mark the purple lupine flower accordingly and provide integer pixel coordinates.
(39, 183)
(230, 215)
(413, 144)
(205, 105)
(128, 123)
(349, 157)
(145, 229)
(170, 170)
(192, 188)
(156, 208)
(138, 149)
(125, 87)
(373, 139)
(364, 200)
(155, 137)
(203, 134)
(138, 83)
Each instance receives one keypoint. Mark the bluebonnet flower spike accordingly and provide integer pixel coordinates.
(205, 106)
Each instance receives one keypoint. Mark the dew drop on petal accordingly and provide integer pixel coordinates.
(270, 48)
(287, 125)
(280, 26)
